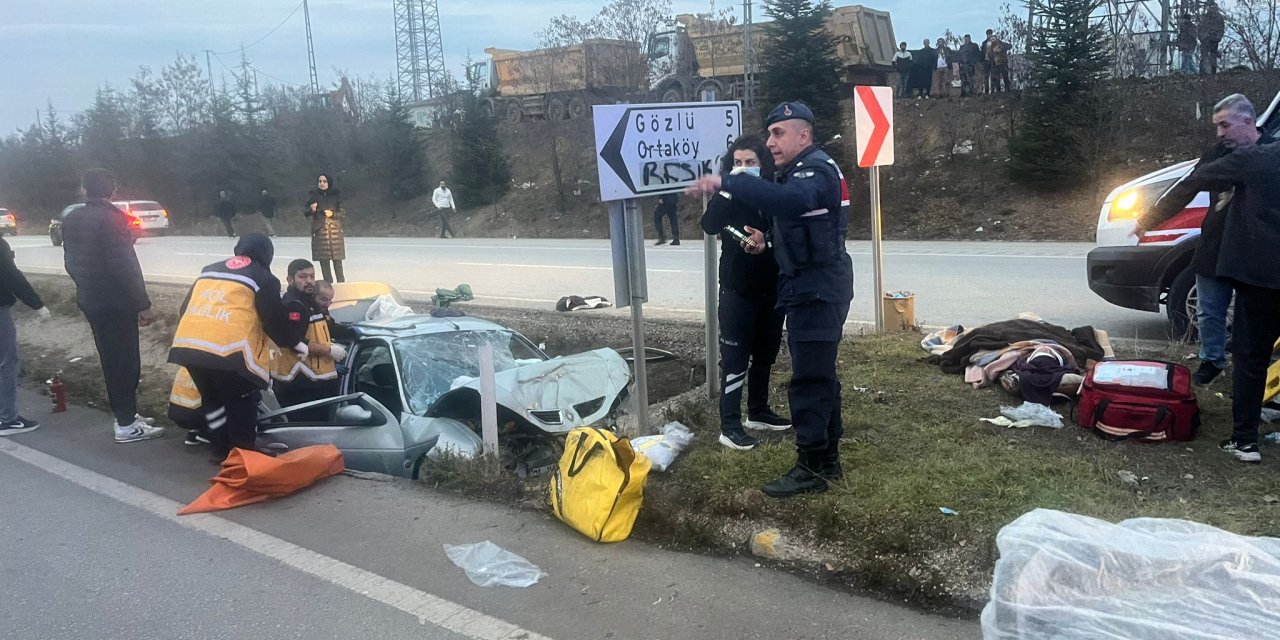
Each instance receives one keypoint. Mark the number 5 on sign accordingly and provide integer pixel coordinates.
(873, 122)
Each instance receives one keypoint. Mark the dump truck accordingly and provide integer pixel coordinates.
(703, 59)
(559, 82)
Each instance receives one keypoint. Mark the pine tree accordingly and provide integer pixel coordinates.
(1062, 107)
(480, 172)
(799, 62)
(402, 150)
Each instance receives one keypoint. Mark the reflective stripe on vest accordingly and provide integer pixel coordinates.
(285, 365)
(184, 392)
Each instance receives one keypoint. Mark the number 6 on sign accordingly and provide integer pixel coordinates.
(873, 125)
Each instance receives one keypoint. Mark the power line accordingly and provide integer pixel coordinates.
(277, 28)
(250, 66)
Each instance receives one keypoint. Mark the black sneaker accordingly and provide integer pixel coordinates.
(194, 439)
(660, 243)
(1207, 372)
(768, 421)
(737, 439)
(1243, 451)
(18, 425)
(675, 243)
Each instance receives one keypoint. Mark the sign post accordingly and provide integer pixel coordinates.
(710, 251)
(873, 124)
(649, 150)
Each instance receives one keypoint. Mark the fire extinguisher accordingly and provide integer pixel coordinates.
(57, 394)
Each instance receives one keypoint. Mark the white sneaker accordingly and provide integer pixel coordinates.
(138, 417)
(138, 431)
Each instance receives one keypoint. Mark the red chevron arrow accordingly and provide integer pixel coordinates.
(880, 126)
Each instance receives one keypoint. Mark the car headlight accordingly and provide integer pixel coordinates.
(1130, 204)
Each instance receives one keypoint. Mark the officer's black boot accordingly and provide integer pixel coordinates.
(831, 469)
(801, 479)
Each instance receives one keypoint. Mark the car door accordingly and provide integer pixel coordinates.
(366, 432)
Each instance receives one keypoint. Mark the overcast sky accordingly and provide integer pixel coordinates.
(61, 50)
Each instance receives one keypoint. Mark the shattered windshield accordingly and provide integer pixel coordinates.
(430, 364)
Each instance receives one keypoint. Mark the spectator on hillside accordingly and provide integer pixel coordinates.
(970, 58)
(1212, 27)
(984, 68)
(926, 62)
(998, 61)
(942, 70)
(225, 209)
(902, 64)
(1186, 43)
(267, 207)
(14, 287)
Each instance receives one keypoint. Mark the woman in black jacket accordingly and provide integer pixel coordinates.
(750, 323)
(328, 241)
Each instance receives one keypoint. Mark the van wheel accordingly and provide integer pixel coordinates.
(1180, 307)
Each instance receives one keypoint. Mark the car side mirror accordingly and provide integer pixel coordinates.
(354, 414)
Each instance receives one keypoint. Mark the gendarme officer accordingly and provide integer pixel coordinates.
(807, 205)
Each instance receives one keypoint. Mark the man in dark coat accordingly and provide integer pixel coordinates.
(110, 290)
(970, 57)
(1248, 259)
(1213, 294)
(225, 209)
(924, 62)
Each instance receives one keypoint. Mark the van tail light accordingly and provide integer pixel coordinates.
(164, 212)
(137, 222)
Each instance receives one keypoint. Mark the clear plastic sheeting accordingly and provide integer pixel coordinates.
(386, 307)
(663, 448)
(1064, 576)
(1030, 414)
(488, 565)
(431, 363)
(556, 395)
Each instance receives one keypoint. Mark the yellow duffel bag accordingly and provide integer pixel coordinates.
(599, 485)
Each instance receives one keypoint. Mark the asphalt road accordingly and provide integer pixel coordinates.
(965, 283)
(93, 549)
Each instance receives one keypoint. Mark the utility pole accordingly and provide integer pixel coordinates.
(748, 68)
(208, 68)
(311, 51)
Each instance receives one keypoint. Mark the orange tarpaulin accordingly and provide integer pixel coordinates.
(249, 477)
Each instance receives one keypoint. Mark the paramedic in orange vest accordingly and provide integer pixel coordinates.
(316, 376)
(229, 321)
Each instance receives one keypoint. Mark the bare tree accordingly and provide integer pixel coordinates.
(1253, 26)
(185, 98)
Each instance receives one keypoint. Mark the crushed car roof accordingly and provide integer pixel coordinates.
(422, 324)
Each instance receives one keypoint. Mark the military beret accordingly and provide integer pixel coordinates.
(789, 111)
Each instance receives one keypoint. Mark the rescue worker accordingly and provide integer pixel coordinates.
(807, 207)
(316, 376)
(229, 320)
(328, 240)
(750, 323)
(339, 331)
(186, 408)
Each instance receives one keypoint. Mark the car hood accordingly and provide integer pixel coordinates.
(555, 396)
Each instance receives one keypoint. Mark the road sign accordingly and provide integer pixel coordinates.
(873, 120)
(651, 149)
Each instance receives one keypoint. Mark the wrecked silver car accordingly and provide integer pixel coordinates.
(410, 394)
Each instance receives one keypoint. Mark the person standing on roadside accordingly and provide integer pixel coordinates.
(442, 198)
(750, 322)
(925, 62)
(13, 287)
(110, 290)
(267, 207)
(328, 241)
(225, 209)
(808, 209)
(998, 61)
(942, 70)
(1236, 129)
(1186, 43)
(668, 208)
(1248, 259)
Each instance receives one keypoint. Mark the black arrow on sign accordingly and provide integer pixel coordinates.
(612, 151)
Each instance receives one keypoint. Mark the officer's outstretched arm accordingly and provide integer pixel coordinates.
(799, 195)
